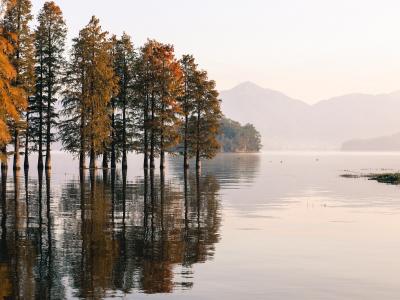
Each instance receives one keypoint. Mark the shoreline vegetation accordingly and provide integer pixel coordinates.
(388, 178)
(104, 98)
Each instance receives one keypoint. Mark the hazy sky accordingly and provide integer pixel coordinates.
(308, 49)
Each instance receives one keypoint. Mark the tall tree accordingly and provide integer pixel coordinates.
(91, 85)
(187, 100)
(124, 105)
(159, 81)
(171, 88)
(16, 29)
(143, 91)
(205, 120)
(12, 98)
(50, 42)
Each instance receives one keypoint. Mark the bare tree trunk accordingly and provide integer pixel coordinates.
(26, 158)
(48, 125)
(146, 134)
(113, 156)
(162, 151)
(152, 135)
(40, 156)
(124, 150)
(82, 157)
(185, 144)
(48, 135)
(16, 165)
(105, 159)
(198, 163)
(92, 163)
(146, 150)
(4, 159)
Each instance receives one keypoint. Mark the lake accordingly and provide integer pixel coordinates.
(250, 226)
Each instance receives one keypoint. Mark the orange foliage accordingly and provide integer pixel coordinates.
(12, 99)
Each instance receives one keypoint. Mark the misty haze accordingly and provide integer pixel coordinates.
(200, 149)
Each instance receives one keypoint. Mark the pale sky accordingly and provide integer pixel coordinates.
(307, 49)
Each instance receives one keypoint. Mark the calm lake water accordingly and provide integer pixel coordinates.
(259, 226)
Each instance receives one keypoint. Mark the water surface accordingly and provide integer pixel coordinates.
(250, 226)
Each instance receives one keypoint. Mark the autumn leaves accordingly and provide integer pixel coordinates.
(112, 98)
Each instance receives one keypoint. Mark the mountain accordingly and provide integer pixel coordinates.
(286, 123)
(384, 143)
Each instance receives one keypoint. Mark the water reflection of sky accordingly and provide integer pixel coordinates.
(278, 226)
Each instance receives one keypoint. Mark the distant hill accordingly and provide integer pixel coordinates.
(385, 143)
(286, 123)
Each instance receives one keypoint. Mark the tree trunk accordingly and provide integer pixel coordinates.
(185, 144)
(82, 160)
(48, 134)
(198, 163)
(26, 158)
(162, 157)
(145, 133)
(124, 150)
(4, 161)
(40, 156)
(113, 156)
(48, 121)
(16, 165)
(92, 164)
(185, 180)
(146, 150)
(82, 157)
(105, 159)
(162, 152)
(152, 135)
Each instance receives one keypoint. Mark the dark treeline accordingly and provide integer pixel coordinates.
(235, 137)
(115, 98)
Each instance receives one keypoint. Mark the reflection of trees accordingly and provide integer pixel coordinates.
(99, 249)
(105, 234)
(230, 167)
(27, 260)
(132, 235)
(5, 268)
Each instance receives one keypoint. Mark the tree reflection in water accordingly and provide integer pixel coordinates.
(102, 235)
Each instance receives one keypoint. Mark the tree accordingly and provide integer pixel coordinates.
(12, 98)
(234, 137)
(187, 100)
(170, 90)
(50, 42)
(91, 85)
(124, 105)
(159, 82)
(143, 92)
(205, 120)
(16, 29)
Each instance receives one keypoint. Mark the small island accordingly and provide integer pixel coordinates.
(237, 138)
(388, 178)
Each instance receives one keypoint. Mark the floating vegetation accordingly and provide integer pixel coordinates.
(389, 178)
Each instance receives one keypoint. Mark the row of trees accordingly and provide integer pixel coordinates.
(107, 99)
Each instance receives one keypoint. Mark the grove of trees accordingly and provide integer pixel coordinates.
(234, 137)
(103, 98)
